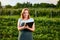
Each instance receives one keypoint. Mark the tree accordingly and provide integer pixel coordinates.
(44, 5)
(22, 5)
(8, 6)
(58, 4)
(36, 5)
(28, 4)
(47, 5)
(0, 5)
(18, 5)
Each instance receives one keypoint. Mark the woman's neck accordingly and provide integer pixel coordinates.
(25, 18)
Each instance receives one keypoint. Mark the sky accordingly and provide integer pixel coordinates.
(13, 2)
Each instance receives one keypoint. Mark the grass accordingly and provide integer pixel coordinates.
(13, 16)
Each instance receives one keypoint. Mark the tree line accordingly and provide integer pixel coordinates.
(30, 5)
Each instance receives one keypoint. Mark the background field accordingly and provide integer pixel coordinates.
(47, 24)
(46, 17)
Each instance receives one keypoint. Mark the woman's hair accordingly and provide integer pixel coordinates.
(23, 10)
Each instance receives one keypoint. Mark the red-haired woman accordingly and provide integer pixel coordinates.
(25, 32)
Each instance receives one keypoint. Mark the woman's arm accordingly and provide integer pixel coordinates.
(32, 29)
(19, 27)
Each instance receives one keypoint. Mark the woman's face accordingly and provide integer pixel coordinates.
(26, 13)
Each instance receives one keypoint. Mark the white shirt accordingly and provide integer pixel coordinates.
(20, 21)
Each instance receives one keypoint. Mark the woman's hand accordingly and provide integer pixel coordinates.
(21, 27)
(27, 27)
(31, 29)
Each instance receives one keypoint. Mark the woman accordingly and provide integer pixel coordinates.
(25, 32)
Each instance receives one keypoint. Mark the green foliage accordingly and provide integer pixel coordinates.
(45, 5)
(30, 5)
(49, 12)
(8, 6)
(45, 28)
(58, 4)
(0, 5)
(24, 5)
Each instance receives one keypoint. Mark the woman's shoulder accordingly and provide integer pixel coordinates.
(31, 19)
(19, 19)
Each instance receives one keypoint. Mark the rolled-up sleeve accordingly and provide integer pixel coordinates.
(18, 24)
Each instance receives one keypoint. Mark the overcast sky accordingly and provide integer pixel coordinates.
(13, 2)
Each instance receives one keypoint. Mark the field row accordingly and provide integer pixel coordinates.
(49, 12)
